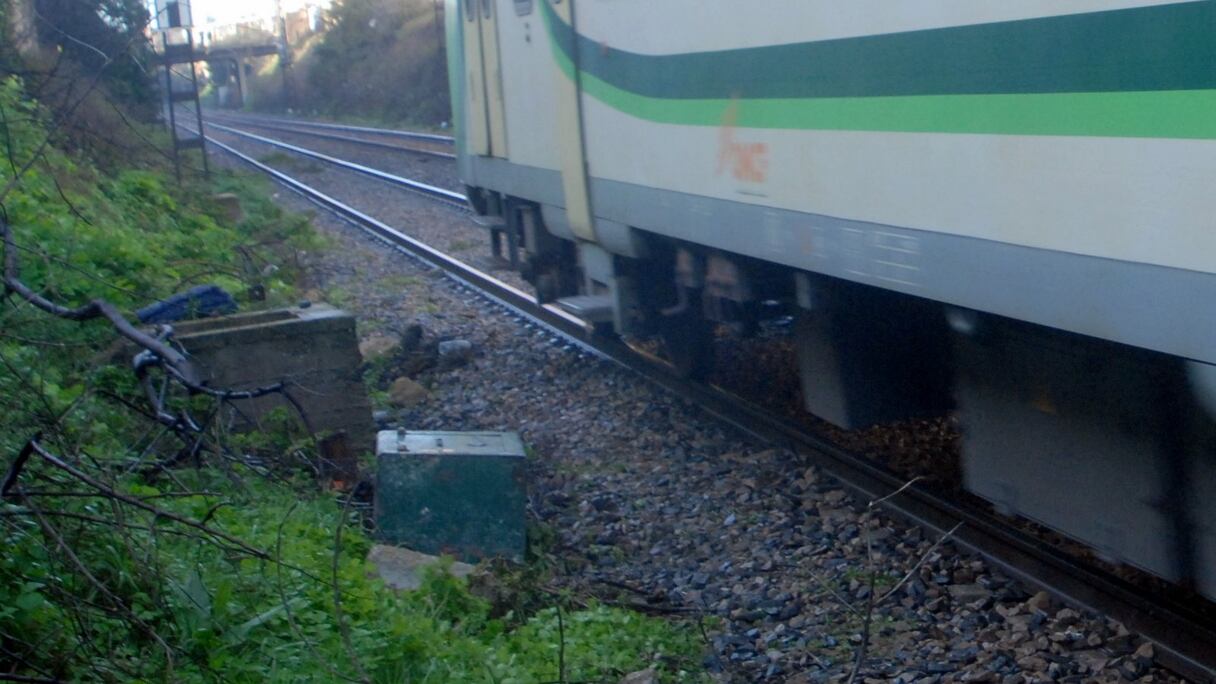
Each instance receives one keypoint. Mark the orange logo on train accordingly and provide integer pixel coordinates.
(746, 161)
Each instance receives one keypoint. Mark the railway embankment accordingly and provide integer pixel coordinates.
(640, 500)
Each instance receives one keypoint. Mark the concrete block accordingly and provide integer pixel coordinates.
(315, 350)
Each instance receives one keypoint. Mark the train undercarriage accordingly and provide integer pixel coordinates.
(1111, 445)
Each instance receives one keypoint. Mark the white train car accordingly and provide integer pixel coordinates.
(1006, 209)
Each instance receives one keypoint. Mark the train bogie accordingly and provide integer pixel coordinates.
(867, 356)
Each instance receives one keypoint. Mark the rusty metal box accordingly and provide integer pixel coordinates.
(455, 493)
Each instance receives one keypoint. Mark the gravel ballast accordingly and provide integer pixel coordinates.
(654, 504)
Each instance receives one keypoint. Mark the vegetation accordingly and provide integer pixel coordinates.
(145, 546)
(396, 50)
(102, 39)
(129, 236)
(381, 61)
(89, 65)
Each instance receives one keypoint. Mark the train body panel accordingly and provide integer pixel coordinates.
(1131, 199)
(726, 25)
(530, 82)
(968, 179)
(1154, 307)
(1125, 224)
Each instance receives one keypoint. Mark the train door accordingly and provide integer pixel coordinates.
(487, 122)
(570, 133)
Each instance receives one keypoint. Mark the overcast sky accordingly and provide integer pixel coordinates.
(231, 11)
(227, 11)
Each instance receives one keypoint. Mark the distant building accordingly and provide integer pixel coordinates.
(301, 18)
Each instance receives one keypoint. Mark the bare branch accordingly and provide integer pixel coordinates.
(14, 470)
(561, 645)
(892, 495)
(287, 611)
(117, 602)
(343, 628)
(872, 601)
(917, 565)
(137, 503)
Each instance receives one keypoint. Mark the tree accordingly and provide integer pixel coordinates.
(105, 40)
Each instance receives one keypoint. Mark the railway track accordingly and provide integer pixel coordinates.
(348, 128)
(324, 133)
(451, 197)
(1185, 641)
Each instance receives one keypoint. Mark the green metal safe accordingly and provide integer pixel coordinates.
(455, 493)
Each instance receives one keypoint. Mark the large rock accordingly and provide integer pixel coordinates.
(455, 352)
(402, 568)
(1040, 602)
(405, 392)
(647, 676)
(377, 346)
(229, 206)
(969, 593)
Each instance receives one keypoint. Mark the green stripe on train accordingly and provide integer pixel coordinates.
(1146, 113)
(1162, 47)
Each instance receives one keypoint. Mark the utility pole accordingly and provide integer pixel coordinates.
(284, 53)
(175, 24)
(435, 6)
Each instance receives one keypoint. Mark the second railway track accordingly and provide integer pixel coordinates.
(443, 194)
(346, 128)
(1184, 638)
(343, 137)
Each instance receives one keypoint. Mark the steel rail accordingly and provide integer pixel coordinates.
(1184, 642)
(433, 191)
(339, 138)
(392, 132)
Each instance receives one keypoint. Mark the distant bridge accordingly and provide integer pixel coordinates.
(239, 57)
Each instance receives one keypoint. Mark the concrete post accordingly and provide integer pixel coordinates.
(240, 81)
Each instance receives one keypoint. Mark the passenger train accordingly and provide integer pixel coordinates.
(1004, 209)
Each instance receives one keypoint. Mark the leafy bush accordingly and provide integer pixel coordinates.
(395, 51)
(131, 237)
(105, 39)
(249, 620)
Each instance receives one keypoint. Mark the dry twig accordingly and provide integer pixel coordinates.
(872, 602)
